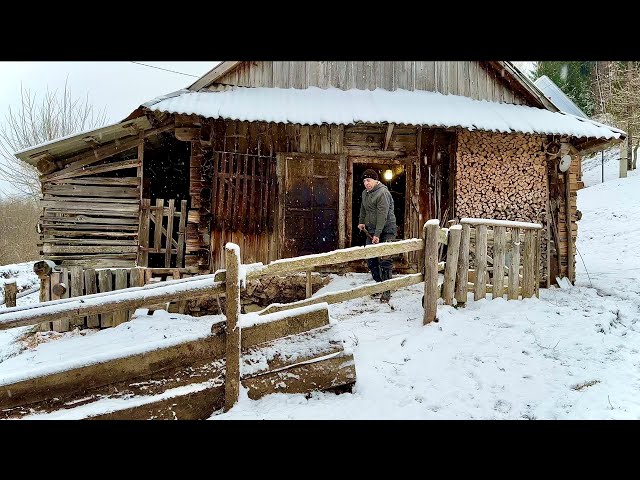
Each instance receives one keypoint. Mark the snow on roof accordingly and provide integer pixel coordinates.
(557, 96)
(315, 106)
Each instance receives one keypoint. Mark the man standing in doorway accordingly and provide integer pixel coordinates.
(376, 215)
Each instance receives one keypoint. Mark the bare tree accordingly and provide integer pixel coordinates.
(34, 122)
(624, 104)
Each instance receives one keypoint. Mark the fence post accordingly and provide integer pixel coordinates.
(453, 250)
(309, 291)
(232, 284)
(462, 277)
(10, 292)
(480, 290)
(430, 230)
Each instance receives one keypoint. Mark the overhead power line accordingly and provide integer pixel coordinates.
(166, 69)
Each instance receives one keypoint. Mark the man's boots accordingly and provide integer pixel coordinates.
(385, 274)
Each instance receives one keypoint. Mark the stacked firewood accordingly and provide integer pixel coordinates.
(500, 176)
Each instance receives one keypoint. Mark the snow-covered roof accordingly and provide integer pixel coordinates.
(315, 106)
(558, 97)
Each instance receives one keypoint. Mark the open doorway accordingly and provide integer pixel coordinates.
(395, 179)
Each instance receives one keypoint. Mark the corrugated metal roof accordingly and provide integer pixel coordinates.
(314, 106)
(558, 97)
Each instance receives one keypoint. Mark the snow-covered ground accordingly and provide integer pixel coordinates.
(25, 280)
(592, 167)
(572, 354)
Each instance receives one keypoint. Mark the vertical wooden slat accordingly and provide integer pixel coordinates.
(77, 290)
(45, 296)
(232, 372)
(260, 196)
(222, 191)
(11, 291)
(104, 282)
(236, 194)
(143, 233)
(514, 266)
(430, 235)
(244, 205)
(462, 276)
(121, 282)
(136, 279)
(499, 243)
(167, 254)
(90, 287)
(157, 237)
(453, 251)
(528, 262)
(57, 325)
(181, 233)
(141, 160)
(309, 285)
(214, 188)
(265, 195)
(480, 290)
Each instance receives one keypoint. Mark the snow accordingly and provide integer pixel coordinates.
(505, 223)
(315, 106)
(25, 279)
(572, 354)
(253, 318)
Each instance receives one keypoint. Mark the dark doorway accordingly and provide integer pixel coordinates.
(166, 168)
(397, 188)
(166, 176)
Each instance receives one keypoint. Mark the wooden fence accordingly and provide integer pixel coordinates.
(74, 281)
(456, 275)
(167, 223)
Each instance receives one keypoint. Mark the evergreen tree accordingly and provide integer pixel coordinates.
(573, 78)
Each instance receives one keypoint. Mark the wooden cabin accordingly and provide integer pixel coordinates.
(269, 155)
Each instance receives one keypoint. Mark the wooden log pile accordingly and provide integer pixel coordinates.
(501, 176)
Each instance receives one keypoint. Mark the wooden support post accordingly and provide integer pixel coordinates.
(481, 263)
(548, 259)
(570, 253)
(232, 374)
(10, 292)
(309, 285)
(430, 234)
(528, 265)
(462, 276)
(451, 266)
(499, 243)
(514, 266)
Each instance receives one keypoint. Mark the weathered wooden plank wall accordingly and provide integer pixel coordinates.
(467, 78)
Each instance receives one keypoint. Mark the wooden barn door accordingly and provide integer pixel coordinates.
(311, 193)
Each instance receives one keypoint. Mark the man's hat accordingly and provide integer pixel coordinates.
(369, 173)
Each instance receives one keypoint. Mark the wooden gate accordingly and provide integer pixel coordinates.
(160, 232)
